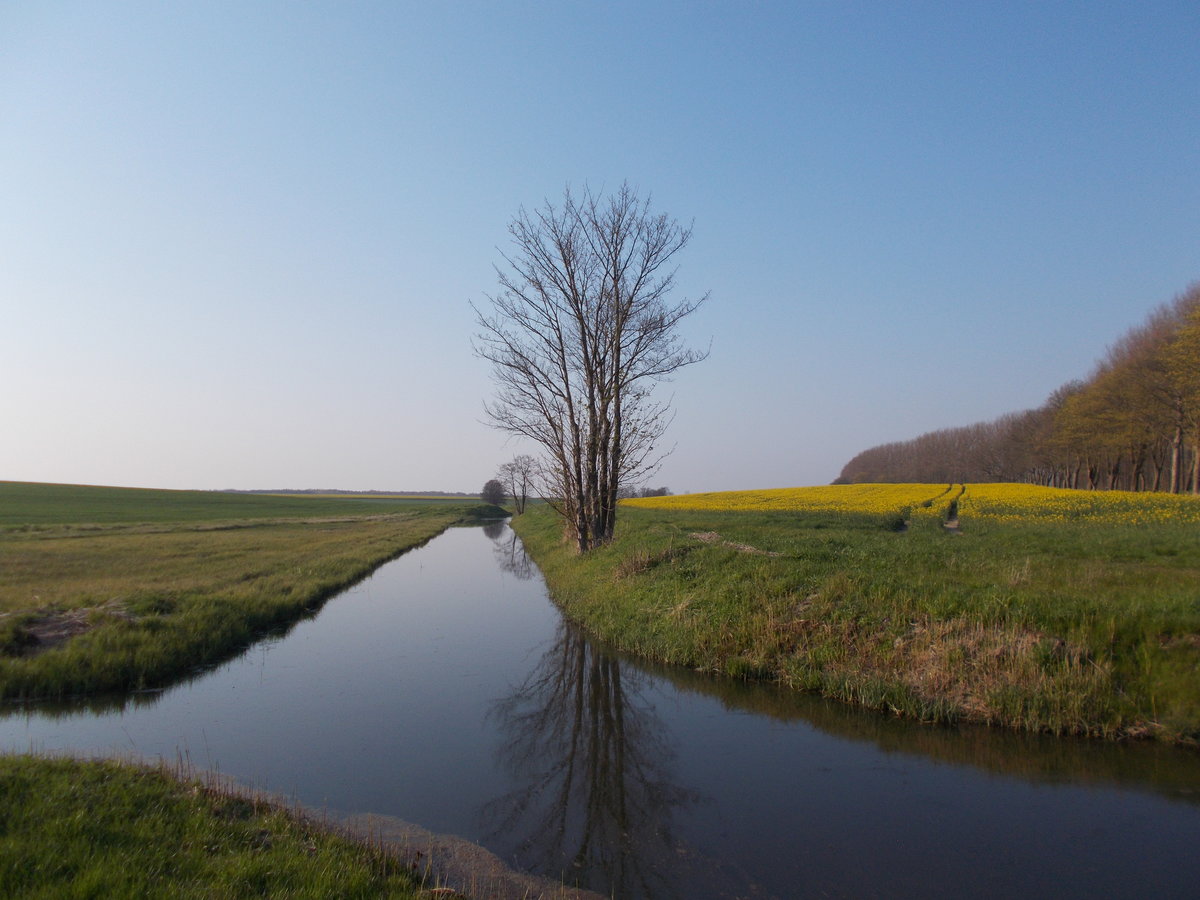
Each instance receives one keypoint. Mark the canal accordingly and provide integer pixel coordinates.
(446, 690)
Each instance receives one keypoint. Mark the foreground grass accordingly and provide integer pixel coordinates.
(1073, 629)
(129, 590)
(106, 829)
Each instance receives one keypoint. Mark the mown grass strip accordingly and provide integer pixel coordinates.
(72, 828)
(1091, 630)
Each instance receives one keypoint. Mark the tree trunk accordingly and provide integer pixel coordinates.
(1176, 459)
(1196, 463)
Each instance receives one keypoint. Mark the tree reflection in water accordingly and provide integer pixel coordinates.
(510, 552)
(595, 800)
(494, 528)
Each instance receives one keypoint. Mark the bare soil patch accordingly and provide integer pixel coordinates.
(712, 537)
(50, 628)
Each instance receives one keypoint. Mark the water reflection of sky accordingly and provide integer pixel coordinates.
(444, 690)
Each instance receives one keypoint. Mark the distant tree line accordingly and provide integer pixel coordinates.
(523, 475)
(1133, 424)
(339, 491)
(629, 493)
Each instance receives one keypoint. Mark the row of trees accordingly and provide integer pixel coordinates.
(521, 477)
(1134, 424)
(630, 493)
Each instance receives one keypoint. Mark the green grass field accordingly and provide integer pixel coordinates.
(1073, 629)
(25, 504)
(109, 589)
(106, 829)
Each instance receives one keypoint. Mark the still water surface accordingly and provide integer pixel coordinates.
(446, 690)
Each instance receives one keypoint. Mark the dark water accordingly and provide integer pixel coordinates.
(445, 690)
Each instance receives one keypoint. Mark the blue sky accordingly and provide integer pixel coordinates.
(238, 241)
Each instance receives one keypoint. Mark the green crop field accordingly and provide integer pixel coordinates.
(24, 504)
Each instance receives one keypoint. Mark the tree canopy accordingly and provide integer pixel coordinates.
(493, 492)
(1134, 424)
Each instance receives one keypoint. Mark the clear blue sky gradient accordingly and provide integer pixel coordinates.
(238, 241)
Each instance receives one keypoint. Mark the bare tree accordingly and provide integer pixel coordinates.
(579, 334)
(518, 476)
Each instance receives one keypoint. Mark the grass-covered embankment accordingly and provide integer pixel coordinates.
(106, 589)
(73, 828)
(1069, 628)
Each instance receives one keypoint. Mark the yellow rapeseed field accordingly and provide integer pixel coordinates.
(1024, 502)
(882, 499)
(997, 502)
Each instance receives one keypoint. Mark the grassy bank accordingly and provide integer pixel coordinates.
(92, 829)
(106, 589)
(1079, 628)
